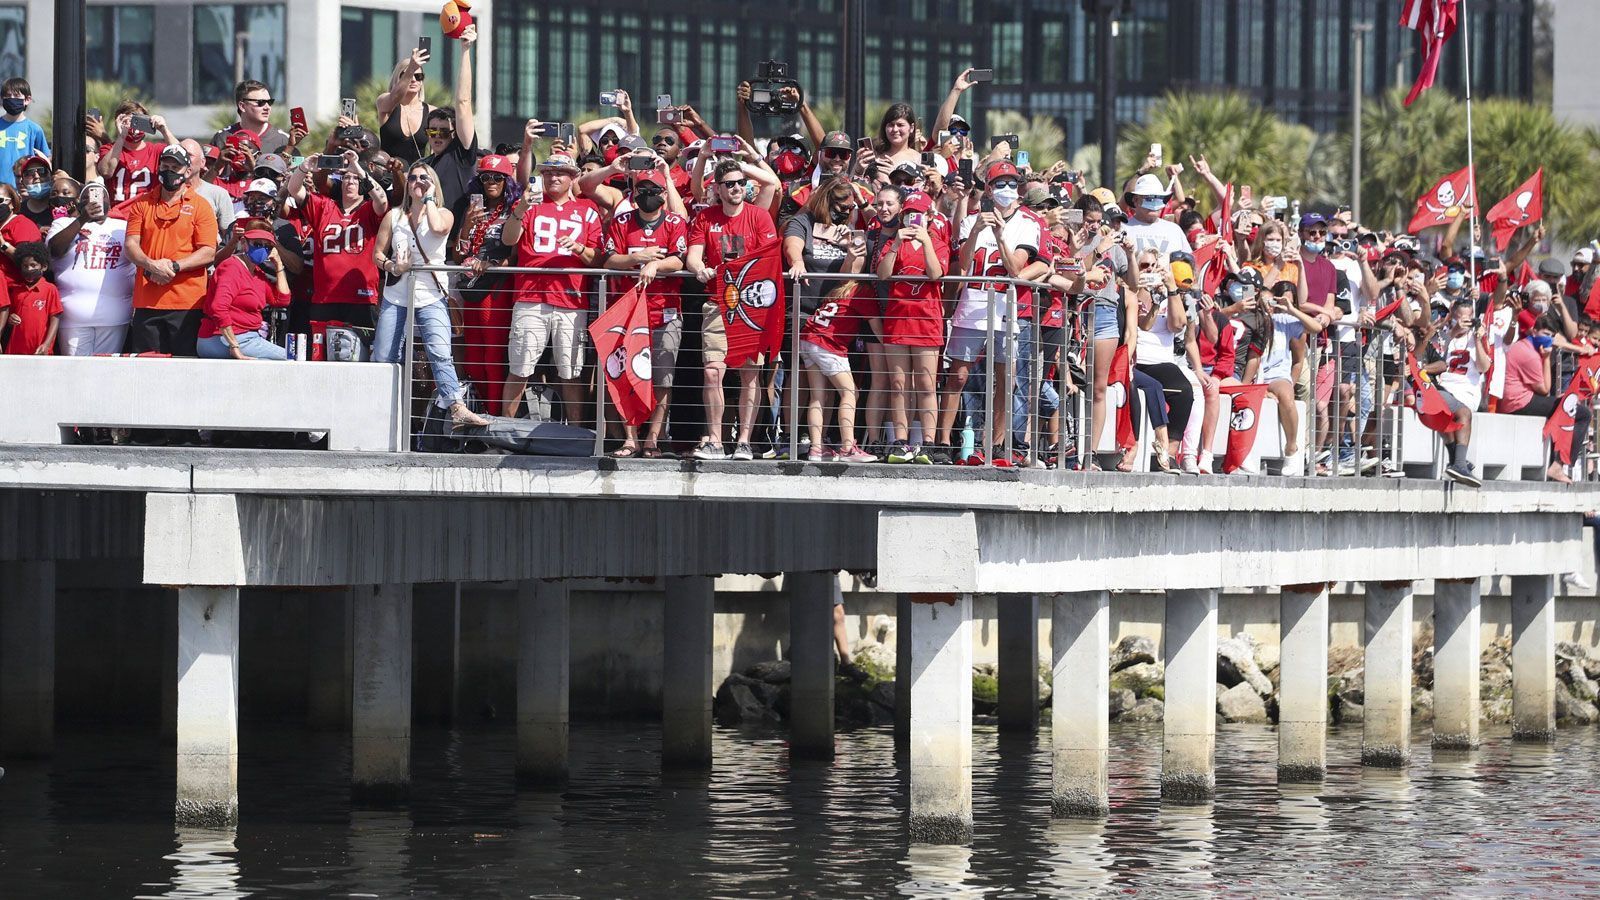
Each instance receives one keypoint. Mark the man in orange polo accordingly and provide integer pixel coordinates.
(172, 238)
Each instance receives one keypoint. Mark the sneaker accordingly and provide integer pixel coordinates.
(855, 455)
(1369, 461)
(940, 455)
(1001, 462)
(1295, 464)
(1207, 462)
(1323, 456)
(920, 457)
(708, 450)
(901, 454)
(743, 451)
(1462, 474)
(976, 459)
(814, 455)
(1390, 470)
(1576, 582)
(1190, 466)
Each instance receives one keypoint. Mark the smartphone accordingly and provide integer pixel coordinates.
(475, 201)
(944, 138)
(347, 107)
(927, 160)
(965, 169)
(1294, 214)
(986, 204)
(1011, 141)
(663, 101)
(1155, 153)
(549, 129)
(732, 246)
(978, 76)
(1022, 159)
(857, 238)
(567, 133)
(670, 115)
(641, 162)
(1245, 194)
(329, 162)
(94, 113)
(425, 44)
(915, 220)
(141, 123)
(864, 143)
(1073, 216)
(610, 98)
(297, 118)
(721, 144)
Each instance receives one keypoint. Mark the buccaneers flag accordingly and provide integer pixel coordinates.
(1446, 202)
(1435, 22)
(1431, 408)
(1524, 207)
(1120, 377)
(1246, 415)
(1558, 430)
(622, 341)
(752, 306)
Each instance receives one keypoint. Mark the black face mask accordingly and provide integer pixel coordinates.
(841, 216)
(649, 201)
(170, 180)
(5, 211)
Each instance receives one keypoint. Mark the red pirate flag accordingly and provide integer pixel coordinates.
(1435, 22)
(1431, 408)
(1559, 429)
(752, 302)
(1447, 201)
(1120, 379)
(1246, 415)
(1524, 207)
(622, 342)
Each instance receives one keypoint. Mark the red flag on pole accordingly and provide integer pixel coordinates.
(1445, 202)
(1246, 415)
(1121, 377)
(1524, 207)
(1435, 22)
(1558, 429)
(622, 342)
(1431, 408)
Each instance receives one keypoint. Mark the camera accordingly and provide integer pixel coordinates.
(766, 90)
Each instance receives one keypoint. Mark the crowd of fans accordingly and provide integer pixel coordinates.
(235, 248)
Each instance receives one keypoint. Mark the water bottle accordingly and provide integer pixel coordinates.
(969, 440)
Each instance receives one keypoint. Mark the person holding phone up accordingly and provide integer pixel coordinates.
(453, 132)
(253, 102)
(128, 164)
(344, 275)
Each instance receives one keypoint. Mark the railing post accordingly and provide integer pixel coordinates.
(1087, 442)
(792, 378)
(600, 379)
(1013, 336)
(406, 367)
(988, 380)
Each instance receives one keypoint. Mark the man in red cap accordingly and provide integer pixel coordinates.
(128, 164)
(237, 162)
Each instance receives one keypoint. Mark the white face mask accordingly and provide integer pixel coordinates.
(1273, 247)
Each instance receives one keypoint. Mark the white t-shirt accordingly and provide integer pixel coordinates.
(1162, 234)
(94, 276)
(1461, 375)
(1278, 362)
(1358, 297)
(1021, 231)
(1499, 324)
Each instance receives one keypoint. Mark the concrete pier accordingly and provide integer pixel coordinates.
(902, 662)
(812, 656)
(1080, 641)
(208, 707)
(941, 719)
(1188, 746)
(27, 658)
(543, 680)
(1456, 660)
(436, 652)
(1018, 668)
(1303, 683)
(1533, 658)
(380, 728)
(329, 676)
(1386, 716)
(686, 682)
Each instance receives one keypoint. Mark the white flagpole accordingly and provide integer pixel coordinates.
(1472, 169)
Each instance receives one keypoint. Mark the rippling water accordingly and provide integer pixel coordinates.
(96, 821)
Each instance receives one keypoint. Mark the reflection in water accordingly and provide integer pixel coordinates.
(96, 821)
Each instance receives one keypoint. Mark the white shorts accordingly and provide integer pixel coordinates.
(91, 340)
(825, 361)
(537, 325)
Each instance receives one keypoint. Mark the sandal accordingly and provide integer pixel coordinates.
(650, 453)
(1125, 464)
(626, 451)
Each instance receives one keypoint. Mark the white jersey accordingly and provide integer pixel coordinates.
(1162, 235)
(1499, 324)
(1461, 375)
(1357, 297)
(1021, 231)
(94, 276)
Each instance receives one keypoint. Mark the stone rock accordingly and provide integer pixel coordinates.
(1139, 678)
(1131, 651)
(772, 672)
(877, 659)
(1571, 710)
(1236, 664)
(1120, 701)
(1421, 705)
(1584, 689)
(1569, 650)
(1267, 659)
(738, 703)
(985, 694)
(1497, 711)
(1241, 703)
(1347, 713)
(1591, 669)
(988, 669)
(1147, 710)
(882, 694)
(1422, 666)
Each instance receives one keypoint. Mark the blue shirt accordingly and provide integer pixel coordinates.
(18, 139)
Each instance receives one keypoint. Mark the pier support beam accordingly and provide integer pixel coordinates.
(1018, 669)
(1386, 716)
(941, 719)
(329, 673)
(27, 658)
(1080, 643)
(902, 668)
(1188, 746)
(811, 655)
(1533, 658)
(1303, 683)
(380, 743)
(208, 707)
(686, 677)
(543, 680)
(1456, 660)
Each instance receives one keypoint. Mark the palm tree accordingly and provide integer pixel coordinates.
(104, 96)
(1404, 151)
(1041, 136)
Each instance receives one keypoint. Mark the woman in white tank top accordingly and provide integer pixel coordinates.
(414, 235)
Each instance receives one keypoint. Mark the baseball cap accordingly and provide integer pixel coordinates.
(917, 202)
(1183, 273)
(559, 161)
(1583, 255)
(1310, 219)
(907, 170)
(258, 234)
(634, 142)
(999, 169)
(243, 136)
(1248, 276)
(263, 186)
(1149, 186)
(497, 164)
(957, 120)
(1104, 195)
(1552, 268)
(272, 162)
(1037, 195)
(650, 177)
(22, 164)
(175, 153)
(837, 140)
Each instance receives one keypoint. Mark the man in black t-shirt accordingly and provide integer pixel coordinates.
(453, 134)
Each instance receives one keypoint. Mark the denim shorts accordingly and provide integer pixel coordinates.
(1105, 324)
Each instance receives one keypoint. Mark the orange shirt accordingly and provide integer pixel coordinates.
(171, 231)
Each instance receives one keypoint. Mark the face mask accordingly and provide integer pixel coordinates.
(135, 137)
(840, 216)
(5, 211)
(258, 255)
(649, 201)
(1005, 196)
(171, 180)
(1273, 248)
(1542, 341)
(1153, 204)
(14, 105)
(1453, 281)
(37, 191)
(891, 222)
(1313, 247)
(750, 192)
(258, 209)
(1539, 306)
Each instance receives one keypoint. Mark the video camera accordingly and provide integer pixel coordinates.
(766, 91)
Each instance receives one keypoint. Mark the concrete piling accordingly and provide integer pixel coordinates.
(1188, 746)
(1456, 660)
(543, 680)
(1386, 715)
(941, 719)
(1533, 658)
(1303, 683)
(1080, 641)
(811, 655)
(686, 683)
(1018, 662)
(27, 658)
(329, 676)
(380, 742)
(208, 707)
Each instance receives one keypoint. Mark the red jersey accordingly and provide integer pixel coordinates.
(913, 314)
(626, 234)
(135, 171)
(342, 268)
(716, 230)
(837, 321)
(17, 230)
(542, 226)
(1054, 313)
(36, 304)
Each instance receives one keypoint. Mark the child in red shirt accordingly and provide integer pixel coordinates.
(35, 304)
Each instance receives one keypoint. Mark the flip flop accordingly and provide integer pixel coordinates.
(650, 453)
(624, 452)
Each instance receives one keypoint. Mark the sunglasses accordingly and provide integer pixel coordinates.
(667, 139)
(416, 76)
(441, 132)
(255, 102)
(491, 177)
(418, 179)
(959, 132)
(739, 183)
(836, 154)
(1004, 183)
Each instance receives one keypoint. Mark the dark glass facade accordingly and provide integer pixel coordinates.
(552, 61)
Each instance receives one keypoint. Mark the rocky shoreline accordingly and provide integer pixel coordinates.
(1247, 685)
